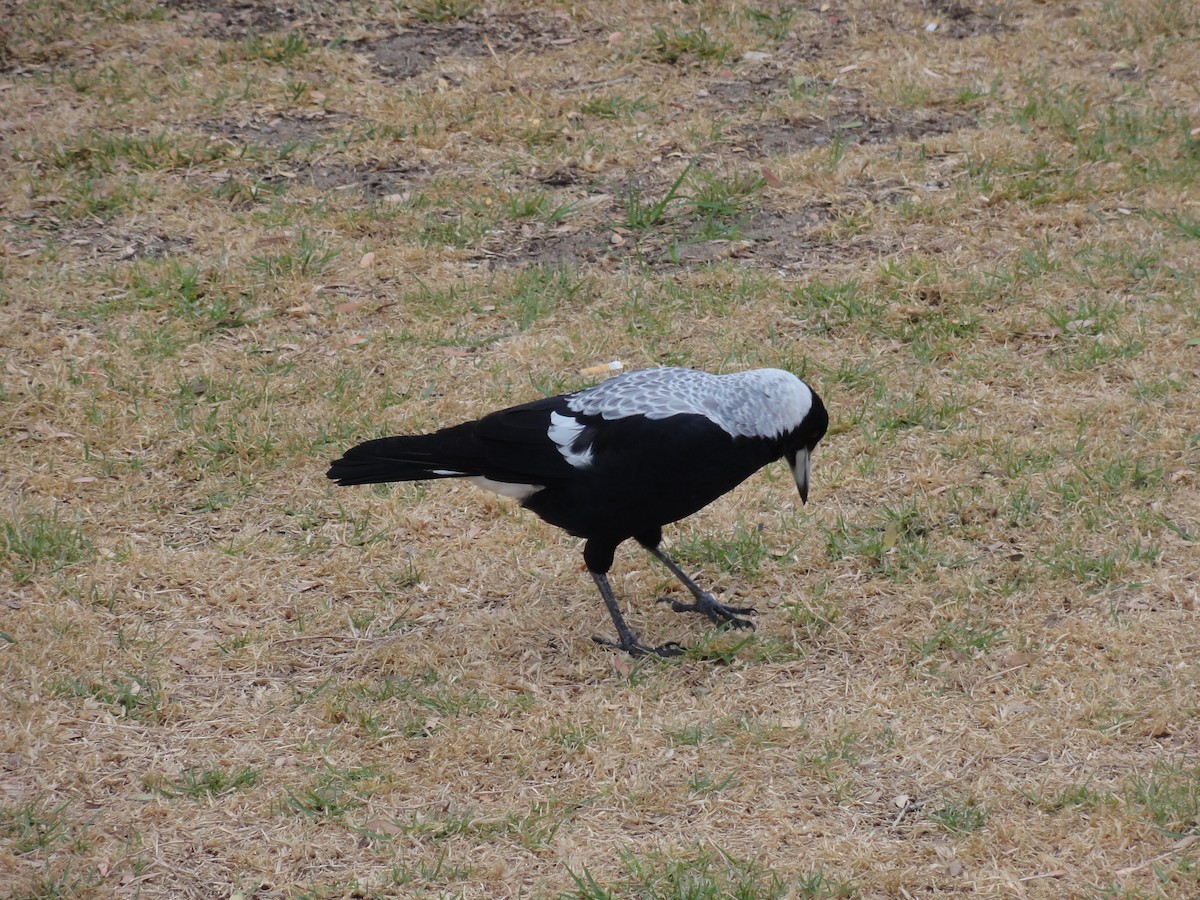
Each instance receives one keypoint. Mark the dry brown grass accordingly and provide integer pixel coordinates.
(238, 238)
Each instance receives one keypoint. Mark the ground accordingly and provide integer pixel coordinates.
(239, 237)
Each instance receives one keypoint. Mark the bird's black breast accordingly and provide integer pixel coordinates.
(644, 473)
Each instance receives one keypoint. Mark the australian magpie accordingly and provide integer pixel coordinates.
(619, 460)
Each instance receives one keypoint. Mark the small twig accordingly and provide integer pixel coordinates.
(595, 85)
(1129, 870)
(1057, 873)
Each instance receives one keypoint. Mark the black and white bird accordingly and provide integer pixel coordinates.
(619, 460)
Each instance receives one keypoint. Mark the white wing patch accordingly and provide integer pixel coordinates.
(564, 431)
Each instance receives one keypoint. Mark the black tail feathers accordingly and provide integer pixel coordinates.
(444, 454)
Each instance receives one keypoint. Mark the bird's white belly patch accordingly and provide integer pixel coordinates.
(507, 488)
(564, 431)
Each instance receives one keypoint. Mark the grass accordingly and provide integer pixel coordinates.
(614, 106)
(702, 876)
(1169, 794)
(442, 10)
(34, 543)
(34, 826)
(959, 816)
(233, 245)
(676, 45)
(642, 214)
(740, 552)
(203, 784)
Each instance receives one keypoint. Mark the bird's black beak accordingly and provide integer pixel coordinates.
(800, 467)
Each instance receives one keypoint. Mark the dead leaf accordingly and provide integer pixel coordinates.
(384, 826)
(348, 307)
(1159, 727)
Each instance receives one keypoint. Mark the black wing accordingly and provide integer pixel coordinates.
(516, 446)
(512, 445)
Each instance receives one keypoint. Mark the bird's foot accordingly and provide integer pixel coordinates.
(718, 612)
(634, 647)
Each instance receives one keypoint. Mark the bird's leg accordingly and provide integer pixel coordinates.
(626, 641)
(705, 603)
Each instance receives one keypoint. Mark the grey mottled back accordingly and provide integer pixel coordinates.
(757, 403)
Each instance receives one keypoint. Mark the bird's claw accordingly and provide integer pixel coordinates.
(637, 648)
(716, 612)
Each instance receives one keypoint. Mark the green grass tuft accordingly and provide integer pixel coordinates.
(33, 544)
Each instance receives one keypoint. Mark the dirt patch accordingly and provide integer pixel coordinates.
(773, 239)
(741, 88)
(567, 248)
(276, 131)
(757, 86)
(782, 138)
(378, 180)
(958, 20)
(782, 241)
(781, 238)
(405, 54)
(113, 243)
(233, 21)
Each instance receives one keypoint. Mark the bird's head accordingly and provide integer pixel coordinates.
(804, 440)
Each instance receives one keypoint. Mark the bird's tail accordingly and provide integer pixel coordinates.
(443, 454)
